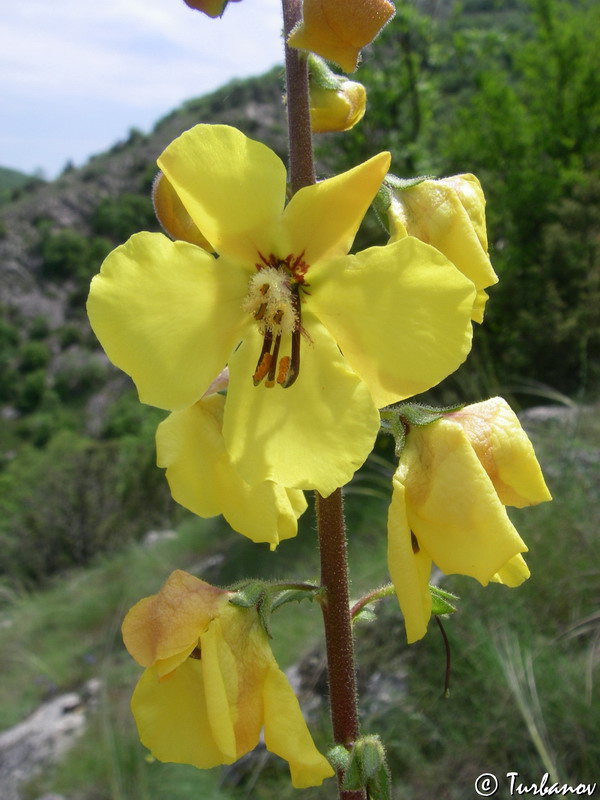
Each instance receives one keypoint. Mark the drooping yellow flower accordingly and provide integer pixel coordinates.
(190, 445)
(316, 340)
(448, 214)
(338, 29)
(213, 8)
(212, 683)
(450, 490)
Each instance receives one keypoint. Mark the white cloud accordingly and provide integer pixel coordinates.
(145, 55)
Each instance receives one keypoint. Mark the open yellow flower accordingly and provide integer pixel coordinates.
(448, 214)
(212, 683)
(338, 29)
(316, 340)
(450, 490)
(189, 444)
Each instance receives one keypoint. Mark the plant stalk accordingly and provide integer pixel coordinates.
(330, 512)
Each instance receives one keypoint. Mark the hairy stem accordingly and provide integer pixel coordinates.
(343, 698)
(330, 514)
(302, 170)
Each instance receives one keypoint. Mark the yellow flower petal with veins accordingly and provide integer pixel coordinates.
(448, 503)
(211, 708)
(202, 478)
(172, 315)
(338, 29)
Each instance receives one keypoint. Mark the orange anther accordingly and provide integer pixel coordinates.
(284, 366)
(262, 369)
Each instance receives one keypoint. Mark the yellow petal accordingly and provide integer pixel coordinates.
(504, 449)
(338, 29)
(202, 478)
(314, 434)
(172, 717)
(233, 188)
(286, 733)
(219, 669)
(168, 314)
(172, 215)
(169, 623)
(401, 315)
(409, 570)
(321, 221)
(248, 642)
(513, 573)
(452, 506)
(433, 212)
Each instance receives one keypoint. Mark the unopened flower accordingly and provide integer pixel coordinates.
(190, 445)
(448, 214)
(450, 490)
(213, 8)
(336, 104)
(316, 340)
(338, 29)
(212, 684)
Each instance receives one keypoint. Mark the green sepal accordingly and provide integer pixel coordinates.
(248, 594)
(392, 185)
(441, 601)
(365, 615)
(255, 594)
(265, 608)
(367, 769)
(339, 757)
(295, 595)
(421, 414)
(395, 183)
(321, 75)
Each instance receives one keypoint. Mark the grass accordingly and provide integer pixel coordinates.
(524, 661)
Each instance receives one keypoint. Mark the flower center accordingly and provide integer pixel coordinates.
(273, 299)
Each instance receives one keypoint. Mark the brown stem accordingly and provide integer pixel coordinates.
(330, 513)
(338, 624)
(302, 170)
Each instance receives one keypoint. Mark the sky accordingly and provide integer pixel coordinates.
(77, 75)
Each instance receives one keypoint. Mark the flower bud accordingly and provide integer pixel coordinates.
(336, 104)
(172, 214)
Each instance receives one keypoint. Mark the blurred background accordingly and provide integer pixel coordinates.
(507, 90)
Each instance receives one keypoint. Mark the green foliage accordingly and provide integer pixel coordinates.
(120, 217)
(33, 355)
(76, 498)
(67, 254)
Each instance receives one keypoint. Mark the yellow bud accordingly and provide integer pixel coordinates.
(172, 215)
(337, 110)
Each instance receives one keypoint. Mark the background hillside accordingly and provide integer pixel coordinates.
(507, 90)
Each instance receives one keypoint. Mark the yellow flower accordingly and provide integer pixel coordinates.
(338, 29)
(448, 214)
(211, 683)
(201, 477)
(316, 340)
(213, 8)
(450, 490)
